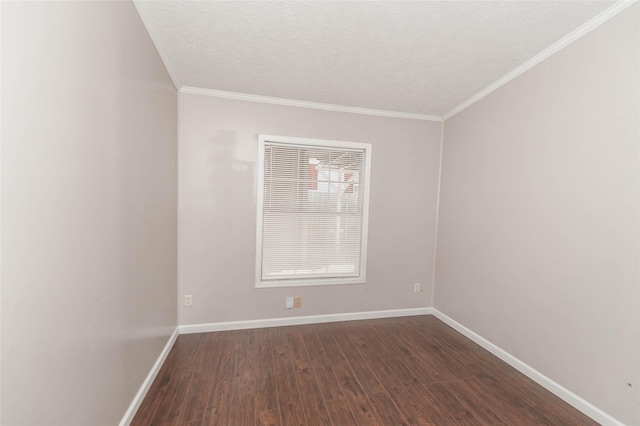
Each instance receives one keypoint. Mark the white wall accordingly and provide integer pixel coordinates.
(538, 247)
(89, 211)
(217, 209)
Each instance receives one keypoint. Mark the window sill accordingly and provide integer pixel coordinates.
(310, 282)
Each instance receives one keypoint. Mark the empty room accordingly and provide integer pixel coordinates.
(337, 213)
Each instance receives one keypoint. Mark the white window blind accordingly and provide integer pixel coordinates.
(312, 211)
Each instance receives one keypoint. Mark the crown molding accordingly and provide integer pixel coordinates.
(306, 104)
(560, 44)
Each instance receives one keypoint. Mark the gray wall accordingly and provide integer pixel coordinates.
(89, 211)
(538, 239)
(217, 209)
(538, 243)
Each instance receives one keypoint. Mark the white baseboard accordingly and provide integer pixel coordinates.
(311, 319)
(589, 409)
(142, 392)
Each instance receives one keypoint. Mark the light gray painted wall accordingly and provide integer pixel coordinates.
(538, 243)
(89, 211)
(217, 209)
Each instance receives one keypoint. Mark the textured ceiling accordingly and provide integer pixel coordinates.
(419, 57)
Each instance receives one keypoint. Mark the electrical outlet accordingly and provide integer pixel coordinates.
(188, 300)
(289, 303)
(297, 302)
(417, 288)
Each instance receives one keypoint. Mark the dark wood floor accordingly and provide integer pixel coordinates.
(398, 371)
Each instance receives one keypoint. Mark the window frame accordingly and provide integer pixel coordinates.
(366, 148)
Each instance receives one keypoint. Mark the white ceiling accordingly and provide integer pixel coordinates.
(417, 57)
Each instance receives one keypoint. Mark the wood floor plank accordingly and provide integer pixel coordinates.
(413, 407)
(180, 381)
(266, 390)
(429, 360)
(395, 371)
(268, 418)
(218, 405)
(436, 331)
(538, 397)
(312, 401)
(512, 411)
(387, 411)
(412, 361)
(290, 406)
(197, 397)
(474, 403)
(365, 375)
(327, 380)
(513, 405)
(296, 343)
(419, 361)
(396, 390)
(431, 405)
(356, 397)
(457, 410)
(244, 380)
(387, 350)
(340, 413)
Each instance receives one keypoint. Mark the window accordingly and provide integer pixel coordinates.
(313, 198)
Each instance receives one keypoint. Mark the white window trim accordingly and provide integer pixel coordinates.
(294, 141)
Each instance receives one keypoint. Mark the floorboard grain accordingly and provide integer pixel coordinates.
(394, 371)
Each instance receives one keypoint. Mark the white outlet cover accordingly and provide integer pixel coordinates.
(289, 304)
